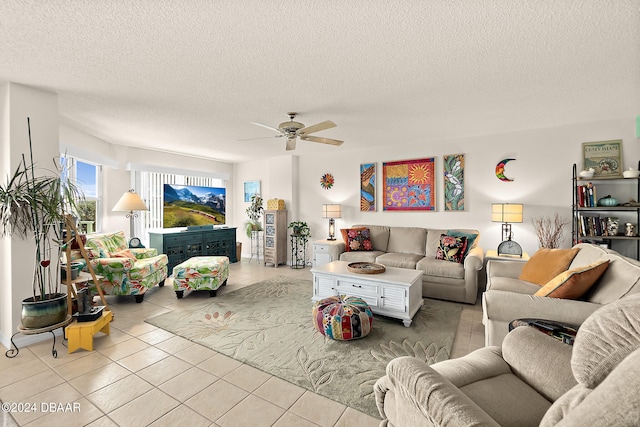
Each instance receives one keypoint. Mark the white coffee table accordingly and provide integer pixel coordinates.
(395, 293)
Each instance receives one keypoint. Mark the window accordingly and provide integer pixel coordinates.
(88, 177)
(150, 186)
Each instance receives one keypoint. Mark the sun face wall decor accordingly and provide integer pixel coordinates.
(327, 181)
(409, 185)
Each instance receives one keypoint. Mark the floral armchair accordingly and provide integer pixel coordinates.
(124, 271)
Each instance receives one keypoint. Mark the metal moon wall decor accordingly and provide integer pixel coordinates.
(500, 170)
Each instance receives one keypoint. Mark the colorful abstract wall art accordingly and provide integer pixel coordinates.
(409, 185)
(454, 182)
(368, 187)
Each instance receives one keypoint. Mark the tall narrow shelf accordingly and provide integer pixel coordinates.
(275, 237)
(588, 218)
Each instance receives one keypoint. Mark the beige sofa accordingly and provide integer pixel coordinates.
(507, 298)
(532, 379)
(415, 248)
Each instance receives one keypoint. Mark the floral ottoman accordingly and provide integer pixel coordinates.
(201, 273)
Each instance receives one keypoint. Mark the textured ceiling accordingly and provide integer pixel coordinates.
(189, 75)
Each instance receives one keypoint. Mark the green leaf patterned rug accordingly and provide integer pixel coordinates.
(268, 325)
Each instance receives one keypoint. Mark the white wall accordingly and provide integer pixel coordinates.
(278, 178)
(542, 175)
(17, 256)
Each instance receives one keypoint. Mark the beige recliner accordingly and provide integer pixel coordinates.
(533, 379)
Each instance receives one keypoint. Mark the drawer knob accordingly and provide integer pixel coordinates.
(356, 286)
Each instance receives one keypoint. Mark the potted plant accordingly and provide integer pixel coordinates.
(300, 229)
(254, 211)
(34, 207)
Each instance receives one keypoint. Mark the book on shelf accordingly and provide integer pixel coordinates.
(592, 225)
(586, 195)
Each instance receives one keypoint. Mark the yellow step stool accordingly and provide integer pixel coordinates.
(80, 334)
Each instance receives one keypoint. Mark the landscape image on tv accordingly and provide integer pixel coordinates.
(187, 205)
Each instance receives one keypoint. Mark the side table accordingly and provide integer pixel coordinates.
(493, 255)
(326, 251)
(256, 245)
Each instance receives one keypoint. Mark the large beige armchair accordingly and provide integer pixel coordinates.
(533, 379)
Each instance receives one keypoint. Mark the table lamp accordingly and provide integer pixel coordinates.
(507, 213)
(331, 212)
(130, 202)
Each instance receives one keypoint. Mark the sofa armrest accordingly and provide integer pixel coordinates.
(502, 307)
(540, 360)
(416, 385)
(504, 268)
(474, 260)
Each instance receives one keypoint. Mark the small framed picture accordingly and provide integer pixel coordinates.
(251, 188)
(604, 157)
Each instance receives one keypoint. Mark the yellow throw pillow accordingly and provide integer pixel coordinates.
(574, 283)
(546, 264)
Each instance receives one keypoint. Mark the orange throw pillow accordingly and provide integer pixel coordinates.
(125, 253)
(546, 264)
(574, 283)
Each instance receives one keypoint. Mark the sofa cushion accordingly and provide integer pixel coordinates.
(546, 264)
(357, 239)
(360, 256)
(574, 283)
(440, 268)
(452, 248)
(407, 240)
(399, 260)
(379, 235)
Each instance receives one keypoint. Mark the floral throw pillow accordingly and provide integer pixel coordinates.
(451, 248)
(358, 239)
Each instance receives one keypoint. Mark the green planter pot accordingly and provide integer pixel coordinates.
(40, 314)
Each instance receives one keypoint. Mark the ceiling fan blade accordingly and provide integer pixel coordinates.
(322, 140)
(291, 144)
(262, 137)
(316, 128)
(266, 126)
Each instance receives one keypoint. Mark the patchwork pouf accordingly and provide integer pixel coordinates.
(342, 317)
(201, 273)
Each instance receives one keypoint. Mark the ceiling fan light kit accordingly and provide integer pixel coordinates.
(293, 130)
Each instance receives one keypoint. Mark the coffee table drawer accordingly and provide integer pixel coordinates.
(356, 288)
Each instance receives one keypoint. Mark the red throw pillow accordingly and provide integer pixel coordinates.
(357, 239)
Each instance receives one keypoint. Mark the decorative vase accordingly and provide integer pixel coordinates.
(40, 314)
(612, 226)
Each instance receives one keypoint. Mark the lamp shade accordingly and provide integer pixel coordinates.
(129, 202)
(506, 212)
(331, 211)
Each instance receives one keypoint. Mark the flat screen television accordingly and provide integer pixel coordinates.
(188, 205)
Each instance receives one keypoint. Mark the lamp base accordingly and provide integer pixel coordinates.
(331, 238)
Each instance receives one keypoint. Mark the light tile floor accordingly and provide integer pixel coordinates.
(142, 375)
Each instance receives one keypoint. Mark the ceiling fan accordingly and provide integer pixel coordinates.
(293, 130)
